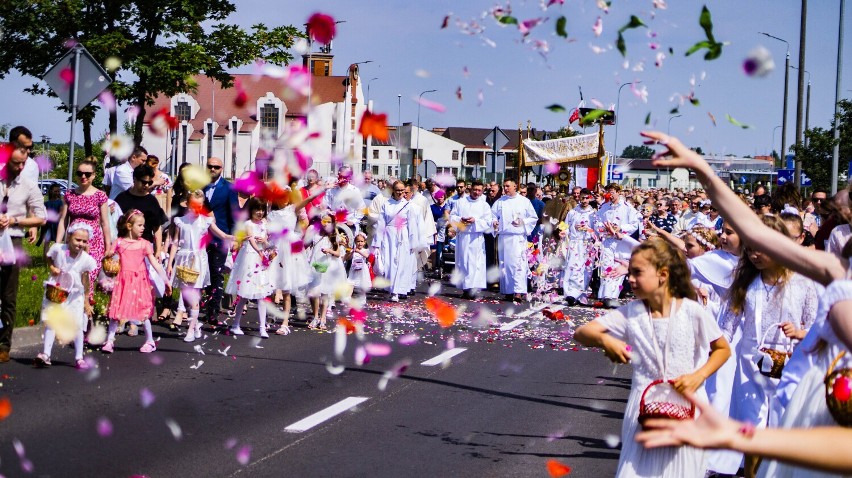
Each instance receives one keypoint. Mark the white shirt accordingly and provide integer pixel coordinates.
(122, 179)
(30, 171)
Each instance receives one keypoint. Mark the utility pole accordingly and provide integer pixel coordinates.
(800, 100)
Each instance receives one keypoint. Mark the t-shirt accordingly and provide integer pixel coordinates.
(148, 205)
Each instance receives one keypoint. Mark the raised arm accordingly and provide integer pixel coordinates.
(817, 265)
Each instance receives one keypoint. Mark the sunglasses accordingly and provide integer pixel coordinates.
(214, 167)
(149, 182)
(84, 174)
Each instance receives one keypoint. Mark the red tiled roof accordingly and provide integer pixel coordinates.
(326, 89)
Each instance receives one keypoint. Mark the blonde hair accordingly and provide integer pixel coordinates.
(706, 237)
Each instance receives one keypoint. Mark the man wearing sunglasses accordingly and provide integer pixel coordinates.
(120, 178)
(22, 206)
(224, 204)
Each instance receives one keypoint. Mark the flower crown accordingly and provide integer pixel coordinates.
(704, 242)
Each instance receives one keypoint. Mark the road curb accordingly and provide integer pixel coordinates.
(23, 337)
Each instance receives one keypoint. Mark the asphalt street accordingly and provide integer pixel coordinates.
(514, 393)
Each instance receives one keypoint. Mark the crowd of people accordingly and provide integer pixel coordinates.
(739, 297)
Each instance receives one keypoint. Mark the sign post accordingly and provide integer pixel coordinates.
(87, 80)
(496, 140)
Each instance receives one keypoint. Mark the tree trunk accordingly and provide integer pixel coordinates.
(113, 121)
(87, 136)
(140, 121)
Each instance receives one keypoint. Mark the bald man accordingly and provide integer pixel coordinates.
(223, 204)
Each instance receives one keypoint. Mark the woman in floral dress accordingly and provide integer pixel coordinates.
(87, 204)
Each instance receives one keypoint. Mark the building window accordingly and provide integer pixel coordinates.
(455, 155)
(182, 111)
(390, 170)
(455, 171)
(390, 154)
(269, 120)
(375, 169)
(375, 154)
(638, 182)
(652, 183)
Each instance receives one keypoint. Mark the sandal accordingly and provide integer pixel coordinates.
(283, 330)
(148, 347)
(82, 365)
(41, 361)
(172, 327)
(163, 317)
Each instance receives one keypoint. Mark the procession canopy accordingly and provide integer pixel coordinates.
(561, 150)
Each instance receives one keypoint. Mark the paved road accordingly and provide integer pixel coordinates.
(503, 406)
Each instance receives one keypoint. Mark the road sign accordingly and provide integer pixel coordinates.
(497, 136)
(789, 175)
(617, 176)
(427, 169)
(91, 78)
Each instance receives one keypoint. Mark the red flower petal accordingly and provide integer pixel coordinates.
(375, 125)
(321, 27)
(557, 469)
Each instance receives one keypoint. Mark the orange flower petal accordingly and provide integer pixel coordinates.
(375, 125)
(445, 313)
(557, 469)
(5, 408)
(346, 324)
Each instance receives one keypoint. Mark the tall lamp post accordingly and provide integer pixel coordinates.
(399, 133)
(807, 103)
(417, 148)
(835, 154)
(617, 105)
(773, 138)
(45, 150)
(786, 88)
(368, 89)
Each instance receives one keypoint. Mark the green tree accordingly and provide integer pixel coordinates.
(637, 152)
(563, 132)
(160, 44)
(817, 155)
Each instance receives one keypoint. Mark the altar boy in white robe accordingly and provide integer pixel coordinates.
(514, 220)
(621, 217)
(472, 216)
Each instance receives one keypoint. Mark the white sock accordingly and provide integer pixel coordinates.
(49, 338)
(149, 334)
(113, 326)
(240, 305)
(193, 321)
(261, 312)
(78, 346)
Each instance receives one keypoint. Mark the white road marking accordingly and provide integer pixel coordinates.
(511, 325)
(307, 423)
(531, 311)
(439, 359)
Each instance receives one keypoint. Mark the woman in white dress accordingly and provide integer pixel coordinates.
(249, 279)
(290, 272)
(188, 252)
(667, 336)
(822, 448)
(396, 238)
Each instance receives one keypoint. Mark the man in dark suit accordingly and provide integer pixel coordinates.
(223, 203)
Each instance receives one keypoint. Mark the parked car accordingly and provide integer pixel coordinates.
(45, 184)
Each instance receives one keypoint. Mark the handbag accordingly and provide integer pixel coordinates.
(771, 362)
(838, 392)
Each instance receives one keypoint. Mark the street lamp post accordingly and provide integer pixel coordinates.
(617, 105)
(45, 150)
(835, 154)
(368, 89)
(807, 103)
(773, 138)
(398, 133)
(417, 148)
(786, 88)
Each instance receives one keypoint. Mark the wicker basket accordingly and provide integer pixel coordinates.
(110, 266)
(661, 400)
(838, 392)
(779, 357)
(187, 274)
(55, 294)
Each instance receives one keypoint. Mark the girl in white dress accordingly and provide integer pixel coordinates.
(774, 307)
(70, 260)
(189, 250)
(329, 273)
(671, 337)
(249, 278)
(290, 272)
(359, 269)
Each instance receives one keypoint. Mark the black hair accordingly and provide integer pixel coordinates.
(255, 204)
(476, 182)
(143, 171)
(17, 131)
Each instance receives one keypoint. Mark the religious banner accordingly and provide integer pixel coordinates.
(561, 150)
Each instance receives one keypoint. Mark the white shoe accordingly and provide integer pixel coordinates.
(264, 334)
(237, 331)
(198, 333)
(190, 336)
(395, 298)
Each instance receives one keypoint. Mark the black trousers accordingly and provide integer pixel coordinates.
(9, 295)
(216, 290)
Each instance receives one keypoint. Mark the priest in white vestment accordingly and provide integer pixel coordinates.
(622, 218)
(396, 237)
(472, 216)
(514, 220)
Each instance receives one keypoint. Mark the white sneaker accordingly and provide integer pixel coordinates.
(264, 334)
(395, 298)
(237, 331)
(198, 333)
(190, 336)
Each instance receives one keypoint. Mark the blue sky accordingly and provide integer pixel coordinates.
(410, 54)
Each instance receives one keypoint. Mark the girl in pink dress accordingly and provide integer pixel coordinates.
(88, 205)
(133, 297)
